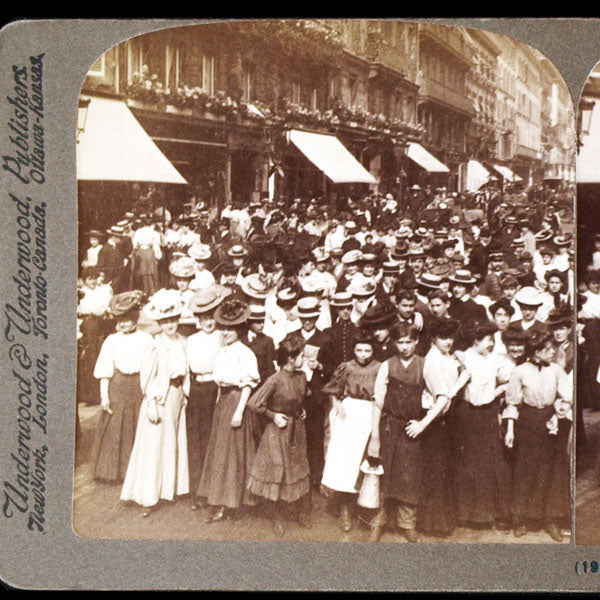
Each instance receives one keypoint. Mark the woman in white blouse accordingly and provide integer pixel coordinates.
(231, 445)
(118, 369)
(482, 472)
(158, 468)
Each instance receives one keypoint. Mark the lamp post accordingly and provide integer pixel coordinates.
(82, 112)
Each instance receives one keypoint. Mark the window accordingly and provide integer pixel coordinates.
(208, 74)
(98, 69)
(314, 99)
(134, 60)
(296, 92)
(196, 68)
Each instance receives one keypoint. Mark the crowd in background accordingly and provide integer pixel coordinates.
(411, 361)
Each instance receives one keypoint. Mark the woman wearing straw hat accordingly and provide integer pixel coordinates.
(118, 369)
(202, 349)
(231, 445)
(158, 467)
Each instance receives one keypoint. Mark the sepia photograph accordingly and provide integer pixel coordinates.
(326, 285)
(587, 491)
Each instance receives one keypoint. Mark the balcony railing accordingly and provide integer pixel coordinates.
(526, 152)
(436, 91)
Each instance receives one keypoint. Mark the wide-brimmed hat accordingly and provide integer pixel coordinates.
(96, 233)
(121, 304)
(208, 298)
(529, 296)
(307, 308)
(200, 251)
(430, 280)
(562, 240)
(496, 256)
(368, 257)
(544, 235)
(164, 304)
(518, 243)
(382, 315)
(237, 251)
(442, 268)
(351, 257)
(341, 299)
(289, 293)
(320, 254)
(232, 312)
(362, 290)
(183, 267)
(462, 276)
(257, 285)
(546, 250)
(415, 187)
(563, 315)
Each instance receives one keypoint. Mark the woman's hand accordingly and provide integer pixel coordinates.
(509, 438)
(414, 428)
(153, 411)
(373, 447)
(280, 420)
(105, 404)
(236, 420)
(302, 416)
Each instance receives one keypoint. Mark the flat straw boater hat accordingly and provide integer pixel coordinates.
(183, 267)
(237, 251)
(116, 230)
(200, 252)
(164, 304)
(208, 298)
(232, 312)
(308, 308)
(121, 304)
(257, 312)
(352, 257)
(365, 290)
(341, 299)
(429, 280)
(462, 276)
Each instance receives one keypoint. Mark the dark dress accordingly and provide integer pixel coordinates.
(401, 455)
(280, 470)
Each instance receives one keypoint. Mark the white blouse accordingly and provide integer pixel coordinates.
(483, 369)
(440, 372)
(122, 352)
(236, 365)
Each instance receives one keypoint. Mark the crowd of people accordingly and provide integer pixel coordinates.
(411, 361)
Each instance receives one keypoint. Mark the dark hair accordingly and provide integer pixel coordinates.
(502, 303)
(480, 330)
(405, 294)
(404, 329)
(536, 342)
(130, 315)
(438, 293)
(363, 336)
(90, 272)
(514, 334)
(290, 347)
(444, 328)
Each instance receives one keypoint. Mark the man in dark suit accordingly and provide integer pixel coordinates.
(342, 331)
(261, 344)
(462, 307)
(318, 369)
(110, 260)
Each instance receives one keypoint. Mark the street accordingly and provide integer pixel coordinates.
(98, 513)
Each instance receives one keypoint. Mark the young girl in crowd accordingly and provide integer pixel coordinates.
(118, 369)
(280, 472)
(351, 392)
(231, 446)
(158, 468)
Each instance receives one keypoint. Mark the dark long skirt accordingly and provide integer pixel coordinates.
(315, 435)
(116, 432)
(280, 470)
(229, 455)
(436, 511)
(541, 489)
(93, 329)
(483, 485)
(199, 416)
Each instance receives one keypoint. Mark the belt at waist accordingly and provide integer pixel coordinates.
(203, 377)
(176, 381)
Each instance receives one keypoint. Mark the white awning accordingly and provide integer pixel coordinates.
(115, 147)
(507, 173)
(477, 175)
(329, 155)
(425, 159)
(588, 159)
